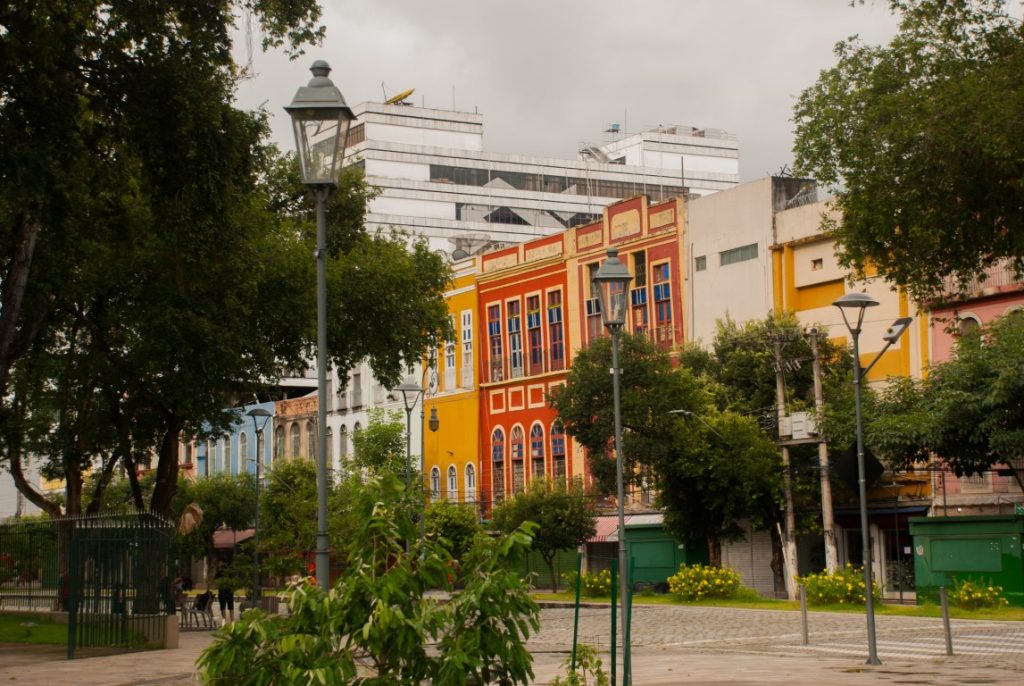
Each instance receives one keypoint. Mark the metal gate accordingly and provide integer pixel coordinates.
(119, 583)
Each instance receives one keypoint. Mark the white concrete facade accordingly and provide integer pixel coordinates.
(729, 239)
(437, 180)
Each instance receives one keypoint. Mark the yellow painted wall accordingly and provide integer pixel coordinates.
(458, 408)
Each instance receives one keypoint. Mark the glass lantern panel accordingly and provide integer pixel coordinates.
(613, 297)
(320, 142)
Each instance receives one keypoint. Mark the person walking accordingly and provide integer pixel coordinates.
(225, 594)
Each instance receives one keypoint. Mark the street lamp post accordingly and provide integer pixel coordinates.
(411, 393)
(434, 423)
(613, 280)
(321, 120)
(858, 303)
(257, 431)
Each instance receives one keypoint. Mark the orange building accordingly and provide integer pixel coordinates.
(538, 306)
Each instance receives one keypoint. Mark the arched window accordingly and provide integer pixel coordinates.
(295, 440)
(537, 451)
(967, 324)
(211, 456)
(225, 454)
(279, 443)
(435, 483)
(342, 444)
(188, 453)
(329, 435)
(453, 484)
(310, 441)
(243, 452)
(558, 451)
(518, 470)
(498, 462)
(470, 483)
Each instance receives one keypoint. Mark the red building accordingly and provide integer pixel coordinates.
(537, 306)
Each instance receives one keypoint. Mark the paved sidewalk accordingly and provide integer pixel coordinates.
(674, 645)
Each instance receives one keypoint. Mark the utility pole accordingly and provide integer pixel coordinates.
(789, 539)
(827, 522)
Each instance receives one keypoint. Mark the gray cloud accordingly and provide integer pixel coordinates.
(549, 75)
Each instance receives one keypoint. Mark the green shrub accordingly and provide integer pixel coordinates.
(594, 585)
(589, 670)
(696, 582)
(971, 595)
(843, 587)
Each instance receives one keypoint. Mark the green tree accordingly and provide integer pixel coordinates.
(967, 410)
(454, 525)
(378, 616)
(379, 447)
(923, 144)
(226, 501)
(564, 516)
(132, 316)
(288, 516)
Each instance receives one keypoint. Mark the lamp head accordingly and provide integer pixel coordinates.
(410, 393)
(321, 120)
(613, 279)
(897, 329)
(434, 422)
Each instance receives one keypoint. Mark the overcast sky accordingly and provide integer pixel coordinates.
(548, 75)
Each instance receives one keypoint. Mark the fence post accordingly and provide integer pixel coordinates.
(576, 614)
(945, 620)
(803, 614)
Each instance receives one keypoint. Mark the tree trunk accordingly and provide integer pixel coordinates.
(14, 285)
(714, 550)
(550, 562)
(167, 469)
(25, 488)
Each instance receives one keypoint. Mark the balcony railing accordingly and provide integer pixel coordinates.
(527, 365)
(997, 278)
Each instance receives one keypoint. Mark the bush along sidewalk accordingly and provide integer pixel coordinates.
(843, 587)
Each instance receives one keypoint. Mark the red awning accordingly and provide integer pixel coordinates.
(228, 538)
(607, 529)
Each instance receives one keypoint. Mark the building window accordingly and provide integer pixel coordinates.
(188, 453)
(966, 325)
(494, 336)
(342, 445)
(278, 443)
(310, 441)
(449, 360)
(663, 303)
(498, 462)
(741, 254)
(243, 452)
(537, 451)
(518, 470)
(296, 440)
(357, 388)
(453, 485)
(515, 339)
(700, 263)
(557, 339)
(211, 456)
(329, 435)
(558, 452)
(817, 264)
(225, 459)
(467, 349)
(593, 304)
(435, 483)
(470, 483)
(638, 295)
(534, 339)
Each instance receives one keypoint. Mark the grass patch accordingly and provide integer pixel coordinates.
(31, 629)
(1005, 614)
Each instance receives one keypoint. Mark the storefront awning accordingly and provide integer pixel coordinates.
(225, 539)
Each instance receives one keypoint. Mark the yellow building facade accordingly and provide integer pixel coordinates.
(451, 467)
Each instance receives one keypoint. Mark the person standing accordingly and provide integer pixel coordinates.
(225, 594)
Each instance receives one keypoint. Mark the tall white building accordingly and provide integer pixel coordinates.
(439, 182)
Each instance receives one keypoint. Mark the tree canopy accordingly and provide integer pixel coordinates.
(564, 515)
(923, 143)
(156, 253)
(967, 410)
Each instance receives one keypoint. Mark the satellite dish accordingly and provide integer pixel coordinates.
(399, 98)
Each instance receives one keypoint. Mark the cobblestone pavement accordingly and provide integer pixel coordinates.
(779, 633)
(672, 645)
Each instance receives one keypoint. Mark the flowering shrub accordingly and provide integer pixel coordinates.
(696, 582)
(971, 595)
(594, 585)
(843, 587)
